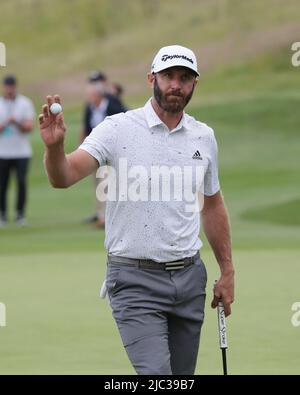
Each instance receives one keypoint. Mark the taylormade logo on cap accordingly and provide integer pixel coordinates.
(174, 55)
(166, 57)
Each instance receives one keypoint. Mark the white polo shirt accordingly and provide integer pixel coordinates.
(161, 229)
(14, 144)
(99, 113)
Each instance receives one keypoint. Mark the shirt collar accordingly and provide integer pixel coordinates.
(11, 100)
(102, 106)
(153, 119)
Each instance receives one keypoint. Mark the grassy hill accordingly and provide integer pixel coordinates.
(52, 46)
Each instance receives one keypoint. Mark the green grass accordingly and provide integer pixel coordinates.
(56, 323)
(287, 213)
(76, 36)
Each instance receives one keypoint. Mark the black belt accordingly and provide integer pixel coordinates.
(149, 264)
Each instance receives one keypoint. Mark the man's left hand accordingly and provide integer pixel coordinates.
(224, 291)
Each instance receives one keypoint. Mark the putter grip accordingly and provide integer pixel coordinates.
(222, 326)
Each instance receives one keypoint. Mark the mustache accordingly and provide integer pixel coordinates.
(175, 93)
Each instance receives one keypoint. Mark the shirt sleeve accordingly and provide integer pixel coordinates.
(29, 112)
(211, 178)
(101, 142)
(2, 112)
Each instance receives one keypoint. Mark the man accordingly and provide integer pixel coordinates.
(99, 105)
(16, 122)
(117, 90)
(155, 278)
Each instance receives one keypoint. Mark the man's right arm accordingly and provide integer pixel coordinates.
(62, 170)
(65, 170)
(82, 135)
(84, 132)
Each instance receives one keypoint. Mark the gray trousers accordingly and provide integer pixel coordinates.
(159, 315)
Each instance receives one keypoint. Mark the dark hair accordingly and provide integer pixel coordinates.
(96, 76)
(119, 89)
(9, 80)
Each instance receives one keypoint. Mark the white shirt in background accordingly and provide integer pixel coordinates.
(15, 144)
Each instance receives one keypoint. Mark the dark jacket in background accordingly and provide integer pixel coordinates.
(114, 107)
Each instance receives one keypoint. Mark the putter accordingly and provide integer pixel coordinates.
(222, 335)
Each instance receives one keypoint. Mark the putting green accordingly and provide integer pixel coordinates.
(56, 323)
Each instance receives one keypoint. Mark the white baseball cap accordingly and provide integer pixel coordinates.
(174, 55)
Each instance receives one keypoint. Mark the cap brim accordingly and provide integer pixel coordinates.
(162, 67)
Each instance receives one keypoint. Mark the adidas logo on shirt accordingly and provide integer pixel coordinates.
(197, 155)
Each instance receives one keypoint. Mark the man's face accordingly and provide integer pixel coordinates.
(94, 93)
(9, 91)
(173, 88)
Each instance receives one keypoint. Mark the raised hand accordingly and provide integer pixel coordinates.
(52, 127)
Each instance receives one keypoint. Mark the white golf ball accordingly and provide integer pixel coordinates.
(55, 108)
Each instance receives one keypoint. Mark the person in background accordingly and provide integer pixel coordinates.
(117, 90)
(16, 122)
(99, 105)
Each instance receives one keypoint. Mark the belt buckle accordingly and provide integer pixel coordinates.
(174, 265)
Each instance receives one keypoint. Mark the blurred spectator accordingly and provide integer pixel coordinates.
(99, 105)
(117, 90)
(16, 122)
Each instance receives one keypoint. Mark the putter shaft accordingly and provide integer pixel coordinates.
(224, 361)
(222, 335)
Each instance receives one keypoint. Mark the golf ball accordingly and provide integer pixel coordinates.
(55, 108)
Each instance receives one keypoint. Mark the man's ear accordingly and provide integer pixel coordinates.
(150, 78)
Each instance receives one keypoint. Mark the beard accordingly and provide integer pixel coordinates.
(173, 102)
